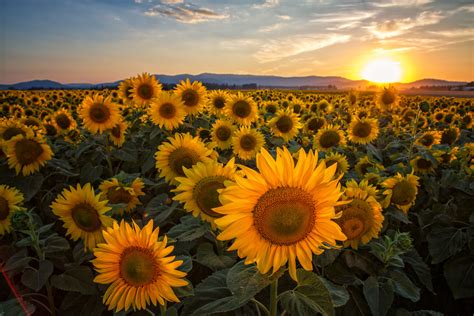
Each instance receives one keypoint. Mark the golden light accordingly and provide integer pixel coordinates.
(382, 71)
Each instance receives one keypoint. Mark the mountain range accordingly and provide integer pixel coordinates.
(239, 80)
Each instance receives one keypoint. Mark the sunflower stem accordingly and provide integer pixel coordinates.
(260, 306)
(163, 309)
(273, 297)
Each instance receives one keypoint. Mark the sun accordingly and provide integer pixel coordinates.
(382, 71)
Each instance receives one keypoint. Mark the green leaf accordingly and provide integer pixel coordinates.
(207, 257)
(444, 242)
(339, 294)
(36, 279)
(190, 229)
(459, 273)
(90, 173)
(18, 261)
(187, 264)
(127, 153)
(404, 286)
(13, 308)
(379, 296)
(245, 281)
(297, 303)
(222, 305)
(29, 185)
(75, 279)
(56, 244)
(421, 269)
(311, 286)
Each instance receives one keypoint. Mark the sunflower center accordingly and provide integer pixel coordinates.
(223, 133)
(427, 140)
(248, 142)
(315, 123)
(206, 196)
(284, 124)
(63, 121)
(99, 113)
(145, 91)
(329, 139)
(356, 219)
(27, 151)
(182, 157)
(423, 163)
(388, 97)
(190, 97)
(138, 266)
(116, 131)
(219, 103)
(241, 109)
(118, 195)
(11, 132)
(284, 216)
(403, 193)
(271, 108)
(167, 110)
(362, 129)
(50, 130)
(86, 217)
(4, 208)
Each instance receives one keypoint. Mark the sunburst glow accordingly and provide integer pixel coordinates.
(382, 71)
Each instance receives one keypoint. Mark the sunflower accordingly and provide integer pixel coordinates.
(11, 200)
(99, 114)
(429, 139)
(63, 121)
(193, 96)
(247, 142)
(363, 131)
(199, 189)
(167, 111)
(137, 266)
(10, 128)
(182, 150)
(26, 154)
(217, 102)
(242, 109)
(144, 89)
(117, 192)
(438, 116)
(221, 133)
(282, 212)
(285, 124)
(340, 160)
(365, 164)
(125, 90)
(422, 165)
(387, 99)
(83, 214)
(450, 135)
(329, 137)
(400, 191)
(117, 133)
(314, 123)
(362, 217)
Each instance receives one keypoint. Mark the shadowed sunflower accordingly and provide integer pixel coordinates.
(217, 102)
(144, 89)
(83, 214)
(242, 109)
(182, 150)
(365, 165)
(117, 133)
(387, 99)
(137, 267)
(117, 192)
(285, 124)
(450, 135)
(26, 154)
(193, 96)
(340, 160)
(400, 191)
(63, 121)
(10, 128)
(363, 131)
(99, 114)
(199, 189)
(362, 217)
(125, 90)
(429, 139)
(329, 137)
(11, 200)
(247, 142)
(282, 212)
(314, 123)
(423, 165)
(221, 133)
(167, 111)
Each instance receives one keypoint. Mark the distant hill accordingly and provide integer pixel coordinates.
(239, 80)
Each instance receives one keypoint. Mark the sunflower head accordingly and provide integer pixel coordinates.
(242, 109)
(363, 131)
(422, 165)
(119, 192)
(193, 95)
(247, 142)
(401, 191)
(125, 90)
(144, 89)
(99, 114)
(450, 135)
(329, 137)
(11, 200)
(429, 139)
(217, 102)
(221, 133)
(167, 111)
(285, 124)
(340, 160)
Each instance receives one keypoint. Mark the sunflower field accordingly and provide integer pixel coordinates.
(146, 201)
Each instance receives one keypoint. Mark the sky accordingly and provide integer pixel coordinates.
(107, 40)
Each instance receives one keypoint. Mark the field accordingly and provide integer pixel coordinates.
(142, 201)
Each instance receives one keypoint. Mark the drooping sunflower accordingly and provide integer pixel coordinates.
(118, 132)
(199, 189)
(182, 150)
(99, 114)
(423, 165)
(450, 135)
(400, 191)
(387, 99)
(340, 160)
(27, 153)
(137, 267)
(144, 89)
(314, 123)
(217, 102)
(83, 214)
(365, 164)
(167, 111)
(282, 212)
(63, 121)
(329, 137)
(193, 95)
(125, 90)
(11, 200)
(118, 192)
(242, 109)
(429, 139)
(247, 142)
(285, 124)
(221, 133)
(363, 131)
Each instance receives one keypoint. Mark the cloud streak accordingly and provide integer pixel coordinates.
(184, 12)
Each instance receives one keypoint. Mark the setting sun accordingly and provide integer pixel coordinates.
(382, 71)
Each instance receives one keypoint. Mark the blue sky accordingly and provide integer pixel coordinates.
(106, 40)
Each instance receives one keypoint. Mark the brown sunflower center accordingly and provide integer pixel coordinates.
(11, 132)
(388, 97)
(182, 157)
(167, 110)
(271, 108)
(284, 124)
(27, 151)
(403, 193)
(116, 131)
(284, 216)
(423, 164)
(329, 139)
(427, 140)
(118, 195)
(4, 208)
(63, 121)
(206, 196)
(315, 123)
(362, 129)
(241, 109)
(248, 142)
(145, 91)
(138, 266)
(50, 130)
(99, 113)
(219, 102)
(449, 136)
(356, 219)
(223, 133)
(190, 97)
(86, 217)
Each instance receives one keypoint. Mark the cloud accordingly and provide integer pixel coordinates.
(284, 17)
(184, 12)
(343, 20)
(267, 4)
(465, 32)
(274, 50)
(271, 28)
(401, 3)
